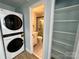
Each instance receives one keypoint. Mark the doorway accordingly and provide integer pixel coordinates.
(37, 29)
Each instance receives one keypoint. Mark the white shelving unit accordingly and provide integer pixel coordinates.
(63, 43)
(65, 32)
(66, 20)
(75, 9)
(60, 52)
(69, 8)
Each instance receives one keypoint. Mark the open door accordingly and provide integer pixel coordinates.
(47, 20)
(37, 29)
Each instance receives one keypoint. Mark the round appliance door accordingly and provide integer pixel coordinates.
(15, 45)
(13, 22)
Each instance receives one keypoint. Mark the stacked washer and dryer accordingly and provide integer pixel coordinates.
(12, 33)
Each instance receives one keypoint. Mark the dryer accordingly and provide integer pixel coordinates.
(11, 22)
(13, 45)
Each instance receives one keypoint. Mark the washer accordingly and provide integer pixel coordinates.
(14, 45)
(11, 22)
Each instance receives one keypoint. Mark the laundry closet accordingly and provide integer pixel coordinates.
(12, 25)
(64, 29)
(15, 27)
(11, 32)
(8, 7)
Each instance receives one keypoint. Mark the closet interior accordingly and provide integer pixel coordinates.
(65, 30)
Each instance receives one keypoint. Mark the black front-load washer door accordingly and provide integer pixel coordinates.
(15, 45)
(13, 22)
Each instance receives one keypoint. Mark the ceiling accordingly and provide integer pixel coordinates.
(38, 9)
(18, 3)
(14, 3)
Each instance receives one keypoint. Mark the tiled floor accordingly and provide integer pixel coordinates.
(26, 55)
(38, 50)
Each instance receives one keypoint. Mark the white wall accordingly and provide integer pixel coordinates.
(4, 6)
(49, 21)
(26, 12)
(48, 17)
(2, 55)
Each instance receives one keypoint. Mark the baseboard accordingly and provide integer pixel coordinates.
(36, 55)
(28, 51)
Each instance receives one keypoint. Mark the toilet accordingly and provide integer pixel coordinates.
(40, 39)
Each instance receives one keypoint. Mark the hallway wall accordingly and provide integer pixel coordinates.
(4, 6)
(26, 12)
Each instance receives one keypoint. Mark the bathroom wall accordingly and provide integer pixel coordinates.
(2, 55)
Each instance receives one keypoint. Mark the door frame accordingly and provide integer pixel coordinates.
(47, 16)
(75, 54)
(30, 8)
